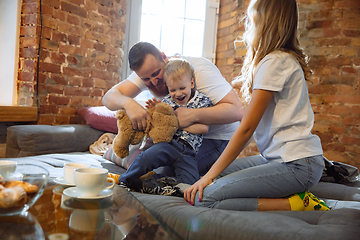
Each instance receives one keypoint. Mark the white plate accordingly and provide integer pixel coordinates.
(61, 181)
(75, 193)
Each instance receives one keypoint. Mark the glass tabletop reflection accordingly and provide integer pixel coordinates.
(57, 216)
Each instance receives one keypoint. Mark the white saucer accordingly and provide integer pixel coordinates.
(74, 193)
(61, 181)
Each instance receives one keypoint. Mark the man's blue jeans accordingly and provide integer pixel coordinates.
(249, 178)
(210, 150)
(177, 154)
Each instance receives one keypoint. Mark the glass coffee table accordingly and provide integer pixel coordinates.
(57, 216)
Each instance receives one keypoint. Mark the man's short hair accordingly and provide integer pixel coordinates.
(139, 51)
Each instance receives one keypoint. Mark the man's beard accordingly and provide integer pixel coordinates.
(159, 92)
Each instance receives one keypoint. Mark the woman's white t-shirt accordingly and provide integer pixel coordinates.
(284, 131)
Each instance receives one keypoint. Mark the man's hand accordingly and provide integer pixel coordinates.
(137, 115)
(185, 117)
(228, 110)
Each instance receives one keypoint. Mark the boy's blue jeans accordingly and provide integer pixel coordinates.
(249, 178)
(177, 154)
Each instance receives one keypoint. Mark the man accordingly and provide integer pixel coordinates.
(148, 63)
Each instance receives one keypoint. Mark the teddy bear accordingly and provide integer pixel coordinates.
(163, 127)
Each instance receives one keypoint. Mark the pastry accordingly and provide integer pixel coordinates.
(29, 188)
(12, 197)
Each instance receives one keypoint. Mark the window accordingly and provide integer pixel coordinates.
(187, 27)
(9, 27)
(174, 26)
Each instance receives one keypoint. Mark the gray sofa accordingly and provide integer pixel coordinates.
(51, 146)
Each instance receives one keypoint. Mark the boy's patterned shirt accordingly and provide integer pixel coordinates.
(198, 101)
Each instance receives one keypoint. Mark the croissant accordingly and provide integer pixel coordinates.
(12, 197)
(29, 188)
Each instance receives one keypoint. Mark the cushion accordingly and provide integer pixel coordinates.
(122, 162)
(134, 150)
(100, 118)
(30, 140)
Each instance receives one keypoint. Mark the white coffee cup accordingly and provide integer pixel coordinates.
(91, 181)
(7, 168)
(69, 171)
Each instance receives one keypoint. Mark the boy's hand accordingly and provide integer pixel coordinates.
(151, 103)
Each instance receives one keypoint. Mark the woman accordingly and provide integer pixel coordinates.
(279, 117)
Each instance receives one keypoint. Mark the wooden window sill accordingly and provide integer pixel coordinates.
(18, 114)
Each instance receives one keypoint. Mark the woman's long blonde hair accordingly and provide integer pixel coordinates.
(271, 25)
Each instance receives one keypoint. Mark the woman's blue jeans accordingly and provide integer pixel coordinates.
(247, 179)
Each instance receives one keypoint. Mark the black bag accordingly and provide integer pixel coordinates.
(339, 172)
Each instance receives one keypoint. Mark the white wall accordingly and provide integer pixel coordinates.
(9, 48)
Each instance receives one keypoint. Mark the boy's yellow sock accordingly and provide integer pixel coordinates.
(114, 176)
(306, 201)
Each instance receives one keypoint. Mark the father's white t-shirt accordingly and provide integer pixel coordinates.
(212, 84)
(284, 131)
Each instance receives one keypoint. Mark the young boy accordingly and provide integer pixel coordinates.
(180, 152)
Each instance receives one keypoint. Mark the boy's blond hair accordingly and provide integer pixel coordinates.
(176, 69)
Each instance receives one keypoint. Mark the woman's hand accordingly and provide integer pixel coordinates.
(189, 194)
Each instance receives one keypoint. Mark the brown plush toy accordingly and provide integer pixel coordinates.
(164, 126)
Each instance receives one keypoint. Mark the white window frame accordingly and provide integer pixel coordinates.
(132, 32)
(9, 48)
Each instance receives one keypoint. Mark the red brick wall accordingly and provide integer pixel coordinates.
(330, 35)
(80, 55)
(81, 49)
(28, 52)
